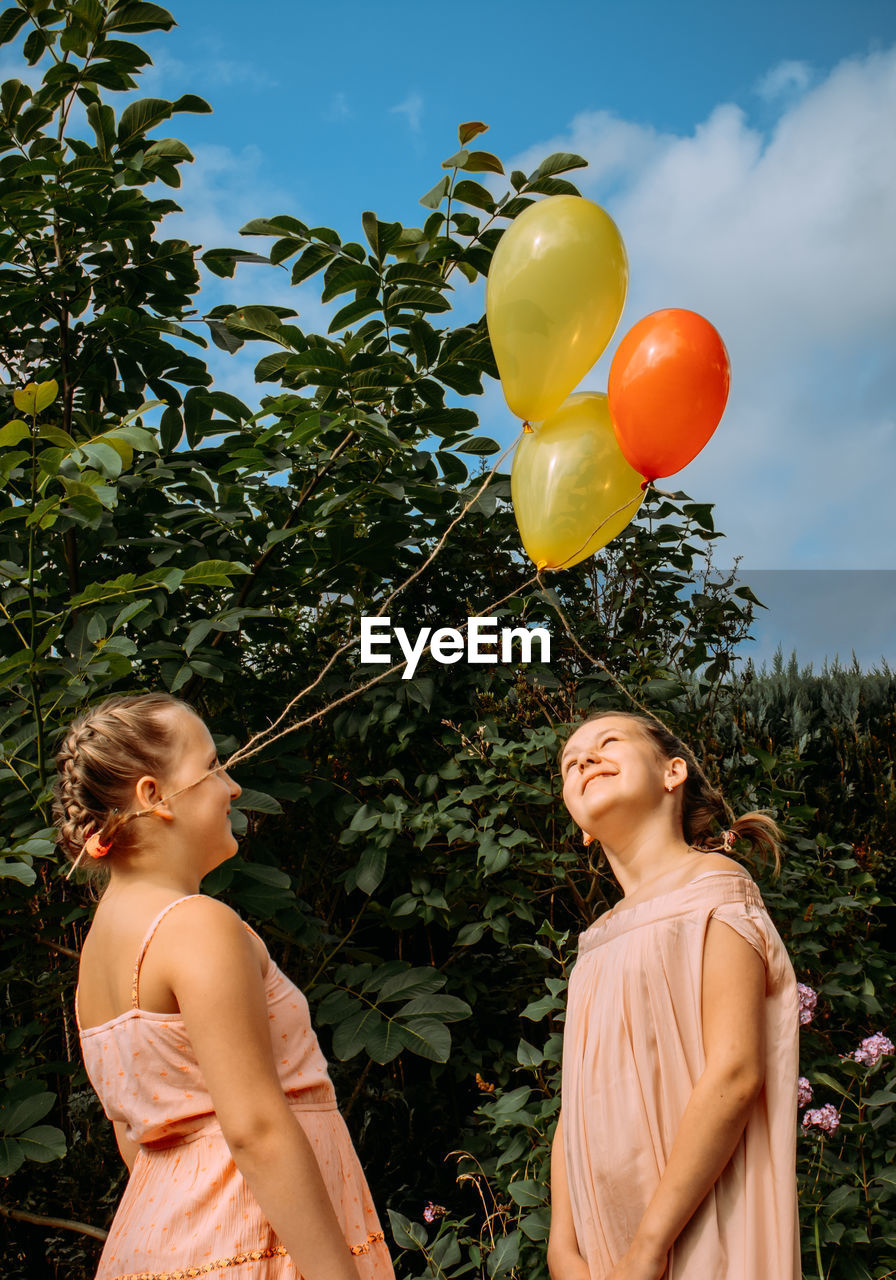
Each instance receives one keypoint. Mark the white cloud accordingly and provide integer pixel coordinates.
(412, 108)
(785, 242)
(785, 79)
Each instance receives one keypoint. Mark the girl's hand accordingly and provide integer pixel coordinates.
(638, 1265)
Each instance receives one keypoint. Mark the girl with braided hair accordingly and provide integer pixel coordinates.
(675, 1152)
(199, 1047)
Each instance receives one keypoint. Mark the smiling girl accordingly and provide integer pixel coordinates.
(199, 1047)
(676, 1148)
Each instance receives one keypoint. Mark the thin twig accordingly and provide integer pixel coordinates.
(64, 1224)
(263, 735)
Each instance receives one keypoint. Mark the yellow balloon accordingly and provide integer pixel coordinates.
(555, 292)
(572, 488)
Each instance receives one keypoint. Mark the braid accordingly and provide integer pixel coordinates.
(100, 759)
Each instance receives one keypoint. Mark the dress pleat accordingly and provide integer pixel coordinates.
(632, 1054)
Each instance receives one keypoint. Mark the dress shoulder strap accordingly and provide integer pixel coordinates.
(135, 984)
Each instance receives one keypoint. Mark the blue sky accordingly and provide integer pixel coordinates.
(747, 154)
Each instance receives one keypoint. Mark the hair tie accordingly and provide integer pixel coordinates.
(728, 839)
(94, 847)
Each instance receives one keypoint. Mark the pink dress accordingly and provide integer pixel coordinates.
(632, 1053)
(186, 1210)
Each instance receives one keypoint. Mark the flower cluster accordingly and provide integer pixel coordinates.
(826, 1118)
(803, 1092)
(808, 1001)
(872, 1049)
(433, 1211)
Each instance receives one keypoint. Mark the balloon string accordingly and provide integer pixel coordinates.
(259, 741)
(262, 737)
(597, 662)
(555, 568)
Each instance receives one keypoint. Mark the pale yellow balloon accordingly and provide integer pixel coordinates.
(555, 292)
(572, 488)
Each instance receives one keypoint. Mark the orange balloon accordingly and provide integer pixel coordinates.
(667, 390)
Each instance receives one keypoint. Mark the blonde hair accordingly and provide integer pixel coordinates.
(103, 754)
(704, 809)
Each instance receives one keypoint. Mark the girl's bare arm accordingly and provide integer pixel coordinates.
(564, 1260)
(733, 1000)
(214, 971)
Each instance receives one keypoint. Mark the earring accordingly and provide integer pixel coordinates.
(669, 786)
(586, 839)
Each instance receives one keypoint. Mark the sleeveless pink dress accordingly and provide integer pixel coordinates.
(186, 1210)
(632, 1053)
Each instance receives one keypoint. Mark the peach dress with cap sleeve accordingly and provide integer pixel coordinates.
(186, 1210)
(632, 1053)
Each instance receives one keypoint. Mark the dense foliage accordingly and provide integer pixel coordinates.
(405, 853)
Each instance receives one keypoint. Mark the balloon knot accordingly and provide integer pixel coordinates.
(527, 429)
(542, 564)
(645, 484)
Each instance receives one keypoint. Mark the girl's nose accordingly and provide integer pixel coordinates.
(235, 788)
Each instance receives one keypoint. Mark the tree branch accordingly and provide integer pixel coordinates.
(64, 1224)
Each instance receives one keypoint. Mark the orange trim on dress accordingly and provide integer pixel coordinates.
(238, 1259)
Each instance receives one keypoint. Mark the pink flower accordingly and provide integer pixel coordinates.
(872, 1049)
(826, 1118)
(433, 1211)
(808, 1001)
(803, 1092)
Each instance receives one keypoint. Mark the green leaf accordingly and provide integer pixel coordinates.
(482, 162)
(504, 1256)
(257, 802)
(36, 396)
(170, 148)
(13, 433)
(261, 322)
(470, 130)
(12, 1157)
(445, 1008)
(13, 94)
(434, 198)
(356, 310)
(370, 869)
(474, 193)
(11, 23)
(527, 1193)
(42, 1144)
(223, 262)
(559, 162)
(24, 1114)
(352, 276)
(192, 103)
(407, 1234)
(311, 261)
(218, 572)
(138, 16)
(14, 869)
(427, 1038)
(554, 187)
(457, 161)
(140, 116)
(411, 982)
(477, 445)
